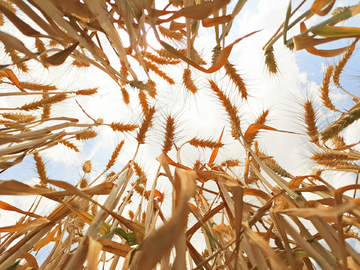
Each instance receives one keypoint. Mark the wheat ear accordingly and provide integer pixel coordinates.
(87, 166)
(325, 89)
(40, 167)
(114, 155)
(344, 121)
(270, 60)
(340, 66)
(170, 34)
(310, 121)
(159, 72)
(169, 134)
(143, 102)
(37, 104)
(86, 135)
(188, 82)
(70, 145)
(19, 117)
(159, 60)
(261, 120)
(230, 109)
(235, 77)
(37, 86)
(145, 126)
(125, 95)
(205, 143)
(122, 127)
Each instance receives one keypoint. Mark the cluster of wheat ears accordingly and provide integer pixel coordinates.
(270, 232)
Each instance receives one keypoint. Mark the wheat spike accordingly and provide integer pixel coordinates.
(205, 143)
(37, 104)
(40, 167)
(83, 183)
(188, 82)
(125, 95)
(230, 163)
(310, 121)
(340, 66)
(143, 102)
(141, 174)
(16, 59)
(2, 21)
(87, 166)
(169, 134)
(159, 60)
(270, 60)
(194, 56)
(70, 145)
(235, 77)
(216, 52)
(344, 121)
(37, 86)
(159, 72)
(114, 155)
(19, 117)
(145, 126)
(338, 141)
(80, 64)
(87, 92)
(273, 165)
(333, 156)
(122, 127)
(230, 109)
(261, 120)
(170, 34)
(197, 165)
(166, 54)
(86, 135)
(325, 89)
(151, 88)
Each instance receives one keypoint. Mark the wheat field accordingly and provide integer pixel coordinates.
(246, 211)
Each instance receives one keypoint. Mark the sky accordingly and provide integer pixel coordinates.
(198, 115)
